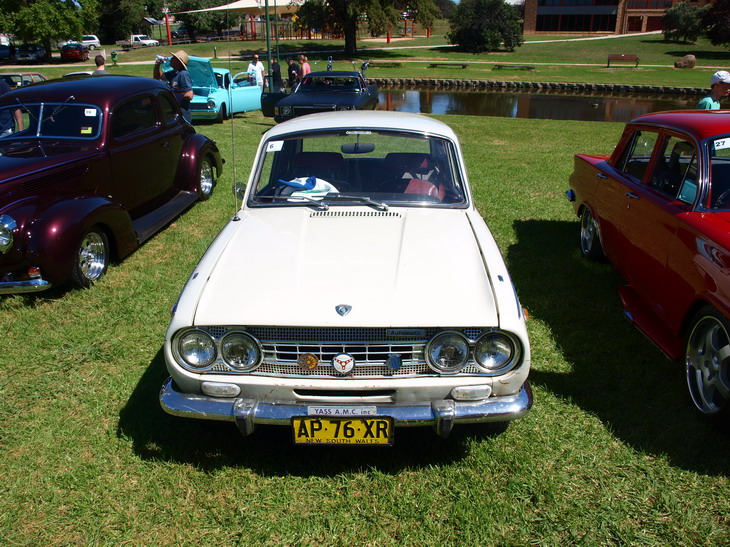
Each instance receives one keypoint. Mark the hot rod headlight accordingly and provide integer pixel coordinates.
(285, 111)
(7, 225)
(196, 348)
(447, 351)
(495, 351)
(240, 351)
(211, 104)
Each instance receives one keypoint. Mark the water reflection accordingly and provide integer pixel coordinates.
(610, 107)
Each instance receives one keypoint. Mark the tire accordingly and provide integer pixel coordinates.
(222, 115)
(92, 47)
(91, 259)
(206, 179)
(590, 242)
(707, 363)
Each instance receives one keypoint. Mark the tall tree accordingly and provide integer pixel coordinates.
(199, 22)
(683, 21)
(48, 21)
(717, 22)
(485, 25)
(343, 16)
(120, 18)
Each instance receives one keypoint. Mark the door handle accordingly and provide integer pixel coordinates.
(631, 195)
(601, 176)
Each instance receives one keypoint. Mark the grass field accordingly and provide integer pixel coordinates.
(610, 454)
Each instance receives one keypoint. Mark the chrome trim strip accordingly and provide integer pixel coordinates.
(18, 287)
(442, 414)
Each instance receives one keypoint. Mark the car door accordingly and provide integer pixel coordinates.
(244, 95)
(144, 155)
(651, 218)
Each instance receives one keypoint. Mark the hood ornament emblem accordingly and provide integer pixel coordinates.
(343, 309)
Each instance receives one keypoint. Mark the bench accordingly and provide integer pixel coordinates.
(452, 65)
(518, 67)
(623, 58)
(384, 64)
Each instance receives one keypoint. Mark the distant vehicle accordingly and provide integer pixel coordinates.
(30, 53)
(324, 91)
(217, 95)
(74, 52)
(5, 52)
(138, 40)
(180, 32)
(90, 41)
(19, 79)
(77, 73)
(102, 164)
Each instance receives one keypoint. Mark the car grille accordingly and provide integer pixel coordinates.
(313, 109)
(370, 348)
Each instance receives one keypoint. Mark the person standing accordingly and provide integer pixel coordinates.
(99, 61)
(292, 73)
(276, 81)
(257, 67)
(178, 80)
(719, 87)
(10, 122)
(304, 64)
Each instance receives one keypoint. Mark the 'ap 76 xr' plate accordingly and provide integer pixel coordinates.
(362, 430)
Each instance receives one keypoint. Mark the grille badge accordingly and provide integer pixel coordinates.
(343, 309)
(343, 363)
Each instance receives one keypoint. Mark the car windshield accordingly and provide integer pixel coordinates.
(719, 197)
(54, 120)
(372, 167)
(329, 83)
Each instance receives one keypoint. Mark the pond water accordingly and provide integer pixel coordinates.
(609, 107)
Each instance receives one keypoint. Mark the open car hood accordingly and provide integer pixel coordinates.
(201, 72)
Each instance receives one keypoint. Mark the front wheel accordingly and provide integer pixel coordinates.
(222, 114)
(91, 260)
(707, 360)
(590, 242)
(206, 179)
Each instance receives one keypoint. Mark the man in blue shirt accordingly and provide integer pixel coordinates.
(719, 87)
(179, 81)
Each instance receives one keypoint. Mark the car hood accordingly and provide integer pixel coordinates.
(201, 72)
(311, 98)
(22, 157)
(399, 268)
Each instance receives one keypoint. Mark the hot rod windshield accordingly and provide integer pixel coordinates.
(52, 120)
(330, 167)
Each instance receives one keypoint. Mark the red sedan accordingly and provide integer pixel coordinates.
(74, 52)
(658, 208)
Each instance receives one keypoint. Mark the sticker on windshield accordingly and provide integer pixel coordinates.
(91, 112)
(86, 130)
(722, 143)
(274, 146)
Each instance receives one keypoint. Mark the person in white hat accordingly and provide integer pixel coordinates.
(719, 87)
(178, 79)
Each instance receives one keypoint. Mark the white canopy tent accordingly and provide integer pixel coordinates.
(255, 7)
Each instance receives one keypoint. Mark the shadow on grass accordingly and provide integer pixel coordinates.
(617, 374)
(210, 445)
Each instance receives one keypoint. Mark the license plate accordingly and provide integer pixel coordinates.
(362, 430)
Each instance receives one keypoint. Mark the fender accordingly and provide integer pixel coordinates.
(52, 238)
(196, 147)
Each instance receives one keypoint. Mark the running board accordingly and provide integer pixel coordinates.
(148, 225)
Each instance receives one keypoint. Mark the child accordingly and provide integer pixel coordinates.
(719, 87)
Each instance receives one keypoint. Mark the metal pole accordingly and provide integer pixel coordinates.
(268, 46)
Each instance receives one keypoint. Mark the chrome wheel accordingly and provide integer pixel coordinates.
(207, 179)
(92, 259)
(708, 363)
(590, 242)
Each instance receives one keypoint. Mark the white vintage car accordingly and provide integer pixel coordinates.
(357, 290)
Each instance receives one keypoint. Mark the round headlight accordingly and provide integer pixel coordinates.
(196, 348)
(211, 103)
(286, 110)
(494, 351)
(7, 225)
(447, 352)
(240, 351)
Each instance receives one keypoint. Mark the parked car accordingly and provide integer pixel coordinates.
(356, 290)
(5, 52)
(18, 79)
(217, 95)
(658, 207)
(322, 92)
(101, 165)
(91, 41)
(73, 51)
(30, 53)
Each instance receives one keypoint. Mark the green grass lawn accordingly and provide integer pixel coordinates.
(610, 454)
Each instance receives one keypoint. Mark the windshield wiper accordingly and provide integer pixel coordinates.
(361, 199)
(292, 199)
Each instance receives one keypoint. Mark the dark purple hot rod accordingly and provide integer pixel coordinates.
(89, 169)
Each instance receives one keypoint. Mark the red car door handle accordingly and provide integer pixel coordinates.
(631, 195)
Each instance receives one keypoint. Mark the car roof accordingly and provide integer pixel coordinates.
(364, 119)
(333, 73)
(701, 124)
(102, 90)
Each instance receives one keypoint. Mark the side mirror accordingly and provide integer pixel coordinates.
(239, 188)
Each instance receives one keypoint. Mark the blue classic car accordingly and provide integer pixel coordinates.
(325, 91)
(217, 94)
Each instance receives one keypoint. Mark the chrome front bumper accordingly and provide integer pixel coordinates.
(441, 414)
(29, 285)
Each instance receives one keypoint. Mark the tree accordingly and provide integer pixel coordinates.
(342, 16)
(717, 22)
(120, 18)
(485, 25)
(198, 22)
(48, 21)
(447, 7)
(683, 22)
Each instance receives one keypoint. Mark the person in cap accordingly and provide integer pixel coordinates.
(719, 87)
(178, 80)
(292, 73)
